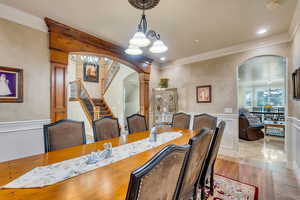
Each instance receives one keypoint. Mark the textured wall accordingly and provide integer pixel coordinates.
(26, 48)
(220, 73)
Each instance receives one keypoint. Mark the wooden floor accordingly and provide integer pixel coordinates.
(274, 180)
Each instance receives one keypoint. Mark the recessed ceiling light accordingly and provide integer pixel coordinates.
(162, 58)
(262, 31)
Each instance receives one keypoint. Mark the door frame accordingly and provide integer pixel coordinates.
(64, 40)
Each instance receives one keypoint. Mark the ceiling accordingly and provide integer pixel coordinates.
(214, 23)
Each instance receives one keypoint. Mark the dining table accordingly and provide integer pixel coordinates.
(109, 182)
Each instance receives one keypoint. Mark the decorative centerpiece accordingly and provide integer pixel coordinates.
(164, 83)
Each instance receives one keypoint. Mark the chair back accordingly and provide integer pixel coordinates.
(106, 128)
(136, 123)
(213, 150)
(195, 163)
(63, 134)
(159, 177)
(204, 121)
(181, 121)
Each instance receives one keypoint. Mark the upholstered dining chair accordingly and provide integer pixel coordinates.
(63, 134)
(159, 177)
(211, 159)
(181, 120)
(194, 165)
(136, 123)
(106, 128)
(204, 121)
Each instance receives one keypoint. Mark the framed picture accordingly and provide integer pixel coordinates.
(91, 72)
(203, 94)
(11, 85)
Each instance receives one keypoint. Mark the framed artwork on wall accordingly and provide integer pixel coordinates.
(203, 94)
(90, 72)
(11, 85)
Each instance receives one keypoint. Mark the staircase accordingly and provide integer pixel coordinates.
(104, 108)
(93, 108)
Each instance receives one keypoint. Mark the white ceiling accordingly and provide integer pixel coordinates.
(215, 23)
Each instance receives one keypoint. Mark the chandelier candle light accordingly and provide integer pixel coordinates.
(142, 38)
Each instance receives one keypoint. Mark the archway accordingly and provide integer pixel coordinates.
(262, 103)
(64, 40)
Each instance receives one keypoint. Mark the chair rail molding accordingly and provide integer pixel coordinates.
(292, 144)
(21, 139)
(230, 139)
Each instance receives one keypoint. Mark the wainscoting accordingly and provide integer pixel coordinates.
(25, 138)
(230, 140)
(21, 138)
(293, 145)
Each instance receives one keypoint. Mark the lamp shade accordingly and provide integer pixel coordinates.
(140, 40)
(158, 47)
(133, 50)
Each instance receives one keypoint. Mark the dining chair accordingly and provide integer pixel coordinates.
(181, 121)
(63, 134)
(194, 165)
(106, 128)
(204, 121)
(136, 123)
(208, 168)
(159, 177)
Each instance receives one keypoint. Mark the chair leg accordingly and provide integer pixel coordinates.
(203, 197)
(211, 188)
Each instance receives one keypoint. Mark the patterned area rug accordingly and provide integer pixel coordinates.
(229, 189)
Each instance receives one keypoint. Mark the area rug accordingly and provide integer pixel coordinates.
(228, 189)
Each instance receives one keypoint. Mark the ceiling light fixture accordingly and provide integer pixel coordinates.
(262, 31)
(273, 5)
(143, 36)
(163, 58)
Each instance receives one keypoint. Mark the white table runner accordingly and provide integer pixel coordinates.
(54, 173)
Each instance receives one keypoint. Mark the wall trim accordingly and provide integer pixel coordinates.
(23, 18)
(296, 172)
(293, 125)
(15, 126)
(230, 140)
(256, 44)
(20, 139)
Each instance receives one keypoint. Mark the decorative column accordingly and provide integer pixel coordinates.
(144, 95)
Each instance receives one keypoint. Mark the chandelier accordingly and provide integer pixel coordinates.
(143, 36)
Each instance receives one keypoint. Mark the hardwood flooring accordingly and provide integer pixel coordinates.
(274, 180)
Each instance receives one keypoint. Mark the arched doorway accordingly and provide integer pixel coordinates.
(65, 40)
(262, 104)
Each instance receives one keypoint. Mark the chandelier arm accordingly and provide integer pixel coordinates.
(152, 34)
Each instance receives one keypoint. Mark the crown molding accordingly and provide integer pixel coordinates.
(268, 41)
(23, 18)
(295, 23)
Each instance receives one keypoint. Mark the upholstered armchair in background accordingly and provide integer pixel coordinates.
(250, 131)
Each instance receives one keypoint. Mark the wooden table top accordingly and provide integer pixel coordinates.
(105, 183)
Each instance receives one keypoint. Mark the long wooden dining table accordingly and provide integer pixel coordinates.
(105, 183)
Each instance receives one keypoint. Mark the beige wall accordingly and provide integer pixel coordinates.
(26, 48)
(295, 63)
(220, 73)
